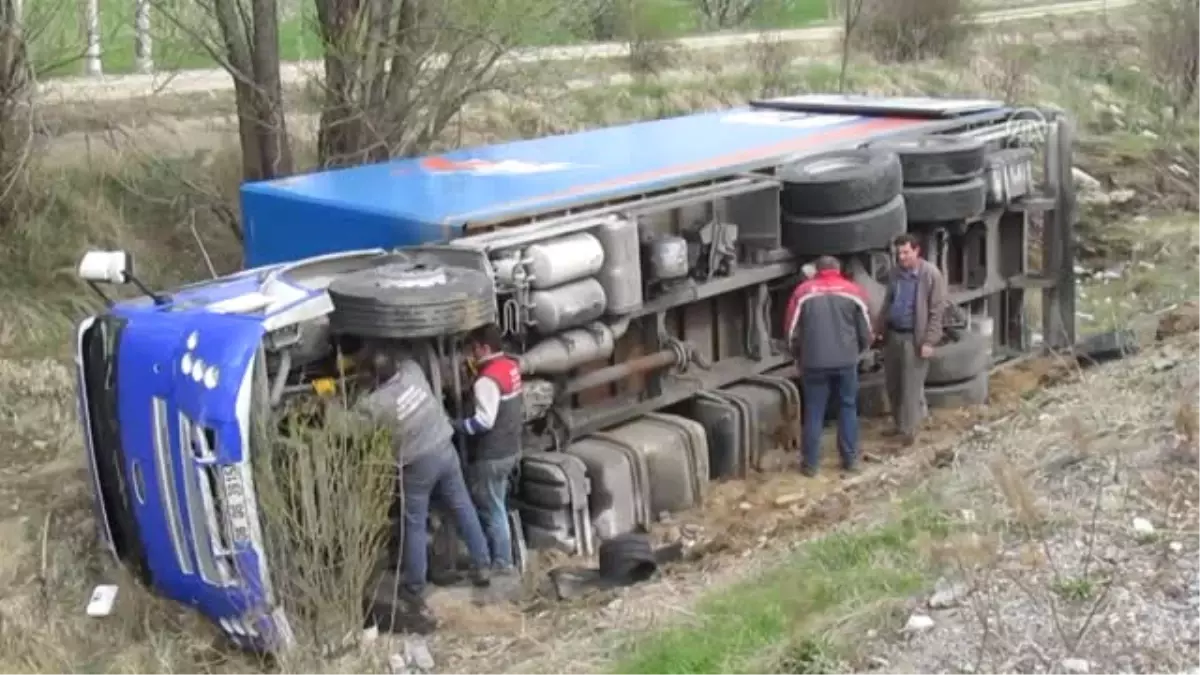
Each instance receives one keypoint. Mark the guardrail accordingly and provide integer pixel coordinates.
(108, 88)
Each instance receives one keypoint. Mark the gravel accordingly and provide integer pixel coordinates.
(1097, 564)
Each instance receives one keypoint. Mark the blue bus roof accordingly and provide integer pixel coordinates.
(426, 199)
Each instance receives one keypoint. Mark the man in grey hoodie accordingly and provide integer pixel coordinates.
(423, 439)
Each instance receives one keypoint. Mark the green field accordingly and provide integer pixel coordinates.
(57, 30)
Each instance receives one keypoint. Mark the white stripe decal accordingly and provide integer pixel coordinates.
(791, 333)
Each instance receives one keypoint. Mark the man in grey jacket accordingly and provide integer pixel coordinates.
(423, 438)
(912, 310)
(828, 328)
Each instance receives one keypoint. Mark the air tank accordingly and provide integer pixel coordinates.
(621, 275)
(668, 258)
(555, 262)
(875, 290)
(567, 306)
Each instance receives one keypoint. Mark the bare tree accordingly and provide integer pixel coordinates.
(91, 17)
(721, 14)
(245, 43)
(142, 52)
(851, 10)
(397, 72)
(15, 92)
(1172, 40)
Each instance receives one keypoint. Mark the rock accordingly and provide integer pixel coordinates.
(416, 653)
(1175, 547)
(1084, 181)
(783, 501)
(1076, 666)
(369, 635)
(947, 594)
(878, 662)
(398, 664)
(745, 506)
(1143, 526)
(1163, 363)
(1121, 196)
(918, 623)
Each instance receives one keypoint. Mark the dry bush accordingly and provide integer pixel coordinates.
(772, 59)
(911, 30)
(1007, 69)
(723, 14)
(1172, 44)
(325, 480)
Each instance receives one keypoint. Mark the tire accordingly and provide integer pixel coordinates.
(627, 558)
(840, 183)
(958, 361)
(941, 203)
(958, 394)
(402, 300)
(836, 235)
(938, 160)
(1109, 346)
(872, 395)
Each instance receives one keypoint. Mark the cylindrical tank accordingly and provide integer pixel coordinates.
(621, 275)
(875, 290)
(667, 258)
(555, 262)
(505, 269)
(567, 306)
(573, 348)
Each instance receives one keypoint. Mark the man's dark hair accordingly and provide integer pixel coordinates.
(828, 262)
(487, 335)
(908, 239)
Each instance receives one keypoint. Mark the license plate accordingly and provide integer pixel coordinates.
(235, 503)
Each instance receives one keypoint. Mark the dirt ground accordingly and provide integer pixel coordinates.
(1066, 439)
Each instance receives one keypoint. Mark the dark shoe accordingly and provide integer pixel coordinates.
(807, 470)
(908, 440)
(481, 578)
(851, 470)
(890, 433)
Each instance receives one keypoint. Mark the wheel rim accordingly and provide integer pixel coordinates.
(411, 276)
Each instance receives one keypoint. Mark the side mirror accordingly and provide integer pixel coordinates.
(111, 267)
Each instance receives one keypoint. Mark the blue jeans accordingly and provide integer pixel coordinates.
(488, 482)
(441, 474)
(819, 384)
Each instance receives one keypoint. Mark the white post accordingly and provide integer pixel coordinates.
(91, 57)
(143, 57)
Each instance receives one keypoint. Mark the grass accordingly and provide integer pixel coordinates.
(798, 612)
(59, 38)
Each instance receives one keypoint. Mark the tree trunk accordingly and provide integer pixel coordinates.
(251, 55)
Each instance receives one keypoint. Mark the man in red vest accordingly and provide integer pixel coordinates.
(828, 328)
(494, 438)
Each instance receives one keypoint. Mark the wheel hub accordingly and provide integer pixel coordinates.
(406, 275)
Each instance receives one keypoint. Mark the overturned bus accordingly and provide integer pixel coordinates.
(639, 273)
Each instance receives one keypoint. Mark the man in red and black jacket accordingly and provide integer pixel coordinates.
(494, 438)
(828, 327)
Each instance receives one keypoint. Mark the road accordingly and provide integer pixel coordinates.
(180, 135)
(121, 87)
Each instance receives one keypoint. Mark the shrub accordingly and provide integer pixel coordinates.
(325, 479)
(911, 30)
